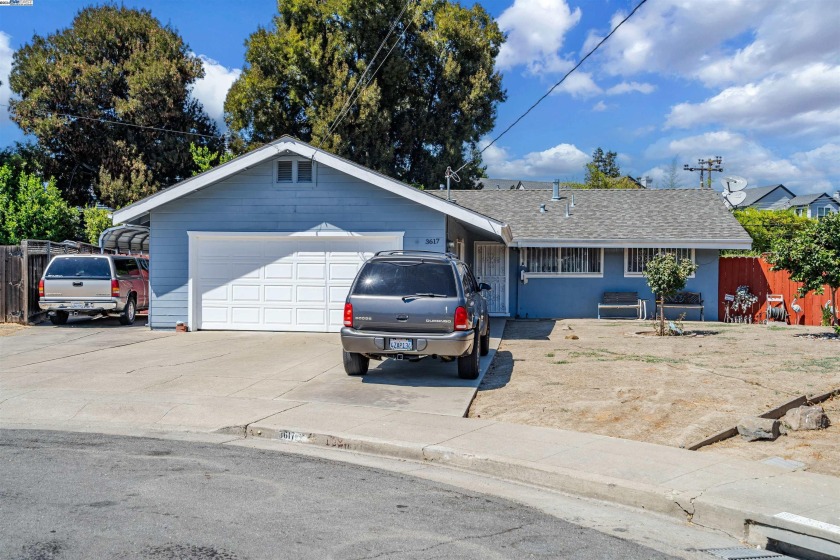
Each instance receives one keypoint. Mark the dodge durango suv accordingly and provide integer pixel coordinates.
(415, 304)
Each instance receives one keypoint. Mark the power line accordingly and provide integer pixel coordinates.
(582, 60)
(345, 108)
(132, 125)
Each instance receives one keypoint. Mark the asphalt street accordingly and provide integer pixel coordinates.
(70, 495)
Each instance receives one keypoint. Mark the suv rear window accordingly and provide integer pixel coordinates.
(388, 278)
(75, 267)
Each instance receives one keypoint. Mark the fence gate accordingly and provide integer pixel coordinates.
(12, 301)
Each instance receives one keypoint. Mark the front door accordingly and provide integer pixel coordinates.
(491, 267)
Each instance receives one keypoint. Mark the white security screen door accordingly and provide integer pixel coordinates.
(491, 267)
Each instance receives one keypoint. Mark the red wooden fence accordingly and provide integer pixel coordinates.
(755, 273)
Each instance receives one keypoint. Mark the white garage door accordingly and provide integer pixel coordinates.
(272, 282)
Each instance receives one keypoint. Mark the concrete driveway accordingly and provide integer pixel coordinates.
(91, 368)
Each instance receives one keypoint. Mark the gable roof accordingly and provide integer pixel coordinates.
(287, 145)
(808, 199)
(691, 218)
(757, 193)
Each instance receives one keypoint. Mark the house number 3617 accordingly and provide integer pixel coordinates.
(432, 240)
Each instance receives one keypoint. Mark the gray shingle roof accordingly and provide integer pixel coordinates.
(757, 193)
(641, 215)
(806, 199)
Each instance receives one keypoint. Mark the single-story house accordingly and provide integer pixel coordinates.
(273, 239)
(772, 197)
(815, 205)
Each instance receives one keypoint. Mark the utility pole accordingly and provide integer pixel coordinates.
(705, 167)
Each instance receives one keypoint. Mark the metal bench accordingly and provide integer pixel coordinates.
(684, 300)
(623, 300)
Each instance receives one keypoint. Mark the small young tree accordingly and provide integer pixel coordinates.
(666, 276)
(36, 211)
(812, 256)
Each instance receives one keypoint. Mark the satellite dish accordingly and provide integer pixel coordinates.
(734, 183)
(734, 198)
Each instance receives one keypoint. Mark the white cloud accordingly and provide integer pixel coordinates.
(802, 172)
(579, 84)
(600, 107)
(630, 87)
(805, 101)
(535, 32)
(212, 89)
(6, 53)
(561, 160)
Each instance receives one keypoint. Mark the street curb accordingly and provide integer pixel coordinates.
(733, 519)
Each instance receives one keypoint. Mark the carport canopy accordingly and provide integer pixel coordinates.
(126, 239)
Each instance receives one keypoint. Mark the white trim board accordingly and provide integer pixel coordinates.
(287, 146)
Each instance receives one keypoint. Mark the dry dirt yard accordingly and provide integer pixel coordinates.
(667, 390)
(10, 328)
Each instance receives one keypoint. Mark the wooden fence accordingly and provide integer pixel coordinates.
(755, 272)
(21, 268)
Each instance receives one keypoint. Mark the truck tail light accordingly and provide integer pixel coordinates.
(348, 314)
(115, 288)
(41, 288)
(461, 319)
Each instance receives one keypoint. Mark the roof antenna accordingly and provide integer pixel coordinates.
(454, 176)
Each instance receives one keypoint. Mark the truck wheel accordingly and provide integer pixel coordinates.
(355, 364)
(129, 313)
(59, 318)
(468, 367)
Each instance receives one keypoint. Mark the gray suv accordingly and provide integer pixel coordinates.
(414, 304)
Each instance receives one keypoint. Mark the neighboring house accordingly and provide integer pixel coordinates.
(273, 239)
(773, 197)
(816, 205)
(514, 184)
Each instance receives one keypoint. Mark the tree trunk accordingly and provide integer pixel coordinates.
(661, 315)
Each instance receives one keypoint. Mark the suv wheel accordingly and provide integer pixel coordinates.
(468, 367)
(129, 313)
(355, 364)
(59, 317)
(484, 342)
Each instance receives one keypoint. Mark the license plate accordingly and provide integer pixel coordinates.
(77, 305)
(400, 344)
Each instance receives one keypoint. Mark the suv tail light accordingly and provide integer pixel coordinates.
(41, 288)
(115, 288)
(348, 314)
(461, 319)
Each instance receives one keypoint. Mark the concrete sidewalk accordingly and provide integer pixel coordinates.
(749, 500)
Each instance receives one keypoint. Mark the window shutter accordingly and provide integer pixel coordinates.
(284, 171)
(304, 171)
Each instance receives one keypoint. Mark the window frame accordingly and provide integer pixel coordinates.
(628, 274)
(524, 258)
(295, 161)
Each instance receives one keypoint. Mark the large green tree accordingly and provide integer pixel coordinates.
(812, 256)
(112, 64)
(31, 208)
(766, 226)
(603, 173)
(425, 108)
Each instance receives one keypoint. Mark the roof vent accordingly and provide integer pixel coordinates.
(568, 213)
(572, 205)
(542, 208)
(555, 190)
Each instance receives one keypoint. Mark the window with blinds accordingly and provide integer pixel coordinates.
(562, 261)
(636, 259)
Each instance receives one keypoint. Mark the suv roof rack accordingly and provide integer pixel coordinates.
(415, 252)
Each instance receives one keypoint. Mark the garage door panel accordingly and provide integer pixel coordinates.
(280, 271)
(278, 283)
(241, 293)
(311, 317)
(278, 294)
(310, 294)
(311, 271)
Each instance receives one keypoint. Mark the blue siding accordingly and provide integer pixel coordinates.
(579, 297)
(252, 202)
(775, 200)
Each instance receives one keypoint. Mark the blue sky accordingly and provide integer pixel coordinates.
(754, 81)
